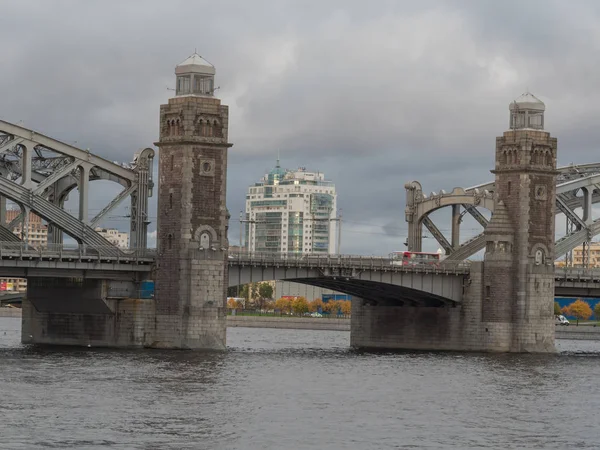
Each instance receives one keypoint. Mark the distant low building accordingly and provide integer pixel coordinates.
(114, 236)
(37, 236)
(578, 255)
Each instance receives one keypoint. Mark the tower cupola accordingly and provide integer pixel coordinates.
(195, 76)
(527, 112)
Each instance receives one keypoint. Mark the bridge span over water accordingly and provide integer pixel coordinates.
(378, 280)
(87, 294)
(375, 279)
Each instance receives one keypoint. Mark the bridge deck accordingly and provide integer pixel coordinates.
(17, 259)
(340, 261)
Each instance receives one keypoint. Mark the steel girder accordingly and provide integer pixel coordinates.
(419, 206)
(47, 170)
(570, 180)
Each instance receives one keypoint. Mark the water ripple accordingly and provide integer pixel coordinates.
(294, 389)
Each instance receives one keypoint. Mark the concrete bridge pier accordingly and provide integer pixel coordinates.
(86, 312)
(457, 328)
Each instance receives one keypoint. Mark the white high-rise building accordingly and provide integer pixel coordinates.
(292, 212)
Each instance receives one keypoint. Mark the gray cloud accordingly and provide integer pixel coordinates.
(373, 97)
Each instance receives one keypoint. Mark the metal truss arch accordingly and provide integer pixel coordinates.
(49, 169)
(53, 214)
(420, 206)
(571, 180)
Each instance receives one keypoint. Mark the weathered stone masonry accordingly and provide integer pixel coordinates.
(191, 281)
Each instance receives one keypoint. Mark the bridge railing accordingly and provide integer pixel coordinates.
(76, 252)
(327, 260)
(577, 273)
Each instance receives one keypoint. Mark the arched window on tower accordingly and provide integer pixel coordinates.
(205, 240)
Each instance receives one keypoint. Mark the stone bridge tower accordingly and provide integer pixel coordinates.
(518, 281)
(191, 280)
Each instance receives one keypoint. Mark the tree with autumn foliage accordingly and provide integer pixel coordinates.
(299, 305)
(332, 306)
(579, 309)
(283, 304)
(316, 305)
(346, 307)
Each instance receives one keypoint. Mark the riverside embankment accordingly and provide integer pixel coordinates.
(581, 333)
(10, 312)
(584, 333)
(299, 323)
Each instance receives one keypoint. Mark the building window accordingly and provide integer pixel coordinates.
(183, 85)
(203, 85)
(171, 200)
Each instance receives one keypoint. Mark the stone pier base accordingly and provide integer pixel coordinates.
(456, 328)
(82, 313)
(199, 329)
(102, 313)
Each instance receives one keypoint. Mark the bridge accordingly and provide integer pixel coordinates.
(381, 280)
(91, 294)
(371, 278)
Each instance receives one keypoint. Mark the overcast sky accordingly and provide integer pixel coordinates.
(372, 94)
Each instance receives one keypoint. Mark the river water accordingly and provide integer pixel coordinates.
(295, 389)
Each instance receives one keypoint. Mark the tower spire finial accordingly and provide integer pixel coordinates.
(278, 158)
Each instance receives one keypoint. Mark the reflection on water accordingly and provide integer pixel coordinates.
(294, 389)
